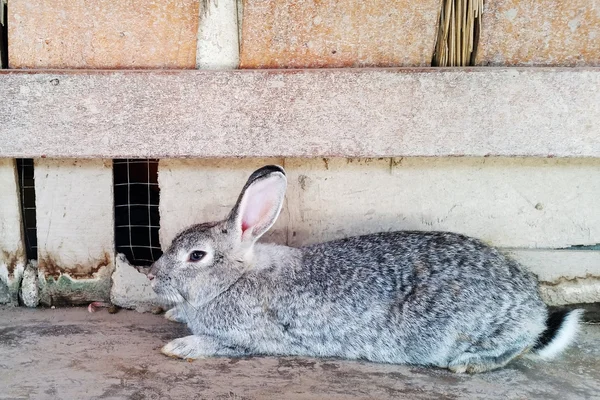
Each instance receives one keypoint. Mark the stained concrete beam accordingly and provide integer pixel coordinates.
(130, 288)
(309, 113)
(565, 276)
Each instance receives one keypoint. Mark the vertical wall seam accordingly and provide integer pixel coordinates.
(218, 42)
(3, 34)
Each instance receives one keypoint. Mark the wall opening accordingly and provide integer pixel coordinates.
(137, 219)
(458, 33)
(28, 211)
(3, 34)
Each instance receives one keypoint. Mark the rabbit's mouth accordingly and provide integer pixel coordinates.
(167, 293)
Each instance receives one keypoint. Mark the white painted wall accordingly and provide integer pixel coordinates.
(74, 202)
(218, 40)
(509, 202)
(517, 204)
(12, 249)
(201, 190)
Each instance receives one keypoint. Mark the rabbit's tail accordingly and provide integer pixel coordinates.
(561, 329)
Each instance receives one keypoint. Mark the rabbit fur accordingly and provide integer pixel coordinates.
(423, 298)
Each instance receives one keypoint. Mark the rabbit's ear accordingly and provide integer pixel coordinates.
(259, 204)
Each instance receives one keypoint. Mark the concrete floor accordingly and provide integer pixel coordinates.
(72, 354)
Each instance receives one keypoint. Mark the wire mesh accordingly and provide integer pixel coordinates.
(28, 212)
(3, 34)
(137, 219)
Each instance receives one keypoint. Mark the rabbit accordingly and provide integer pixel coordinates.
(435, 299)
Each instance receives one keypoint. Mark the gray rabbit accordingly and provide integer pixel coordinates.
(423, 298)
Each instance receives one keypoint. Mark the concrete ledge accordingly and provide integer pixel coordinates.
(565, 276)
(301, 113)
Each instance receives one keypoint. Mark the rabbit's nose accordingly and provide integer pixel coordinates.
(151, 276)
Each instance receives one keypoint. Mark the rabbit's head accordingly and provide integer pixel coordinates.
(205, 259)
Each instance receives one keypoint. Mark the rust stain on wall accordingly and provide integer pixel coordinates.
(338, 33)
(540, 32)
(12, 259)
(575, 280)
(51, 269)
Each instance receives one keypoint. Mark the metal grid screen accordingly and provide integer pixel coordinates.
(137, 219)
(27, 194)
(3, 34)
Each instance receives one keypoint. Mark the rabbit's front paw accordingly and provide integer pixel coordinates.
(189, 348)
(175, 314)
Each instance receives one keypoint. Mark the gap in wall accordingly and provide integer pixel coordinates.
(28, 212)
(3, 34)
(137, 219)
(458, 33)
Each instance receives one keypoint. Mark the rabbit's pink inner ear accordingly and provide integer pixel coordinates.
(261, 205)
(245, 226)
(255, 213)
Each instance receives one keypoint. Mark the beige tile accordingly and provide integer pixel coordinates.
(338, 33)
(103, 34)
(540, 32)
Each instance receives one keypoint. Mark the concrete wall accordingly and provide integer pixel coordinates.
(74, 205)
(528, 206)
(12, 251)
(74, 198)
(333, 112)
(509, 202)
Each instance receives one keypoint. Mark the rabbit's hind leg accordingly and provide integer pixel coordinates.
(484, 361)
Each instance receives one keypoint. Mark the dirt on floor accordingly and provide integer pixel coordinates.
(71, 354)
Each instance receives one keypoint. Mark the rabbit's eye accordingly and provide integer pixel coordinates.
(197, 255)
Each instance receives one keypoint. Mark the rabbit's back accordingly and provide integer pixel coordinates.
(392, 263)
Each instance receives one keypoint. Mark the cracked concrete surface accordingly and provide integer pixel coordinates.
(72, 354)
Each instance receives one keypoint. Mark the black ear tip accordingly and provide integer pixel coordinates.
(265, 171)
